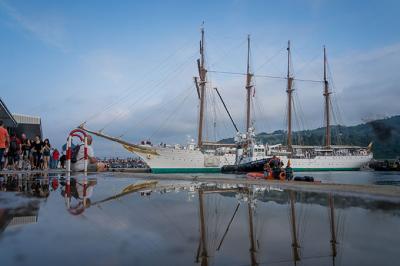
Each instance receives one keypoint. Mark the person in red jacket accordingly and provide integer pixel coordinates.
(4, 142)
(56, 158)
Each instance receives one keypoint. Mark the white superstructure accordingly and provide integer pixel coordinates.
(186, 159)
(315, 158)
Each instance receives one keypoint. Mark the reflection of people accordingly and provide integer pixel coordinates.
(93, 164)
(54, 183)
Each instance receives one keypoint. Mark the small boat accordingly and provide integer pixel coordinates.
(260, 175)
(255, 175)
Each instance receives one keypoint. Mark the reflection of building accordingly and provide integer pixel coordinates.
(21, 220)
(30, 125)
(20, 216)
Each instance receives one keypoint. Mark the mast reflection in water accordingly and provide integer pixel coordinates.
(121, 221)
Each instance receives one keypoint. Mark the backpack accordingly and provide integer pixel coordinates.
(13, 145)
(74, 155)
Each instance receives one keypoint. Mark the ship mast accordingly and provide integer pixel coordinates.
(332, 226)
(289, 94)
(295, 243)
(327, 108)
(253, 245)
(249, 87)
(202, 88)
(203, 243)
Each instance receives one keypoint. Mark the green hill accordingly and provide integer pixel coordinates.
(384, 133)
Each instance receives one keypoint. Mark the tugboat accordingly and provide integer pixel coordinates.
(386, 165)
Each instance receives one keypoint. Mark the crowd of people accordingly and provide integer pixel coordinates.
(274, 169)
(115, 162)
(18, 152)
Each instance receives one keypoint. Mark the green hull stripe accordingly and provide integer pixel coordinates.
(185, 170)
(324, 169)
(218, 170)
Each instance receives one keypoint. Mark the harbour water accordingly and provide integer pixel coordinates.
(184, 223)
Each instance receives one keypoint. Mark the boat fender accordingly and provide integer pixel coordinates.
(282, 176)
(270, 176)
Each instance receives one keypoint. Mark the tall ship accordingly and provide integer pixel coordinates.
(203, 156)
(325, 157)
(207, 156)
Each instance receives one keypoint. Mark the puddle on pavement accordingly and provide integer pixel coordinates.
(103, 220)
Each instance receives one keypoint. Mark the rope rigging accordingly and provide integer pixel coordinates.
(140, 98)
(168, 119)
(126, 92)
(162, 108)
(264, 76)
(150, 93)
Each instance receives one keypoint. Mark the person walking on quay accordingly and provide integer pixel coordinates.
(14, 152)
(55, 156)
(4, 140)
(37, 151)
(26, 151)
(46, 153)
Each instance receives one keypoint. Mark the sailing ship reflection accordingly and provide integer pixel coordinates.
(248, 194)
(78, 193)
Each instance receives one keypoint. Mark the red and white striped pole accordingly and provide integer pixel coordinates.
(84, 190)
(85, 155)
(68, 162)
(68, 154)
(85, 164)
(68, 190)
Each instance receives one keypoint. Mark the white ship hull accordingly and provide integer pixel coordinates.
(170, 160)
(328, 163)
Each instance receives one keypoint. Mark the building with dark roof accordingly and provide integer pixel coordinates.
(7, 117)
(30, 125)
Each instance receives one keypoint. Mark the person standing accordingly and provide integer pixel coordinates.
(37, 150)
(46, 153)
(14, 151)
(4, 141)
(26, 150)
(56, 157)
(289, 171)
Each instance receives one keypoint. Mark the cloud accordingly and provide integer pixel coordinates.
(47, 28)
(367, 82)
(106, 65)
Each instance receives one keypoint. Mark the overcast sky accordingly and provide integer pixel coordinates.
(128, 66)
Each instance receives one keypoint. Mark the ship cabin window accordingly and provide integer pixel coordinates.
(259, 150)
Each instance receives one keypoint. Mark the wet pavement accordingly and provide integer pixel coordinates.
(112, 219)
